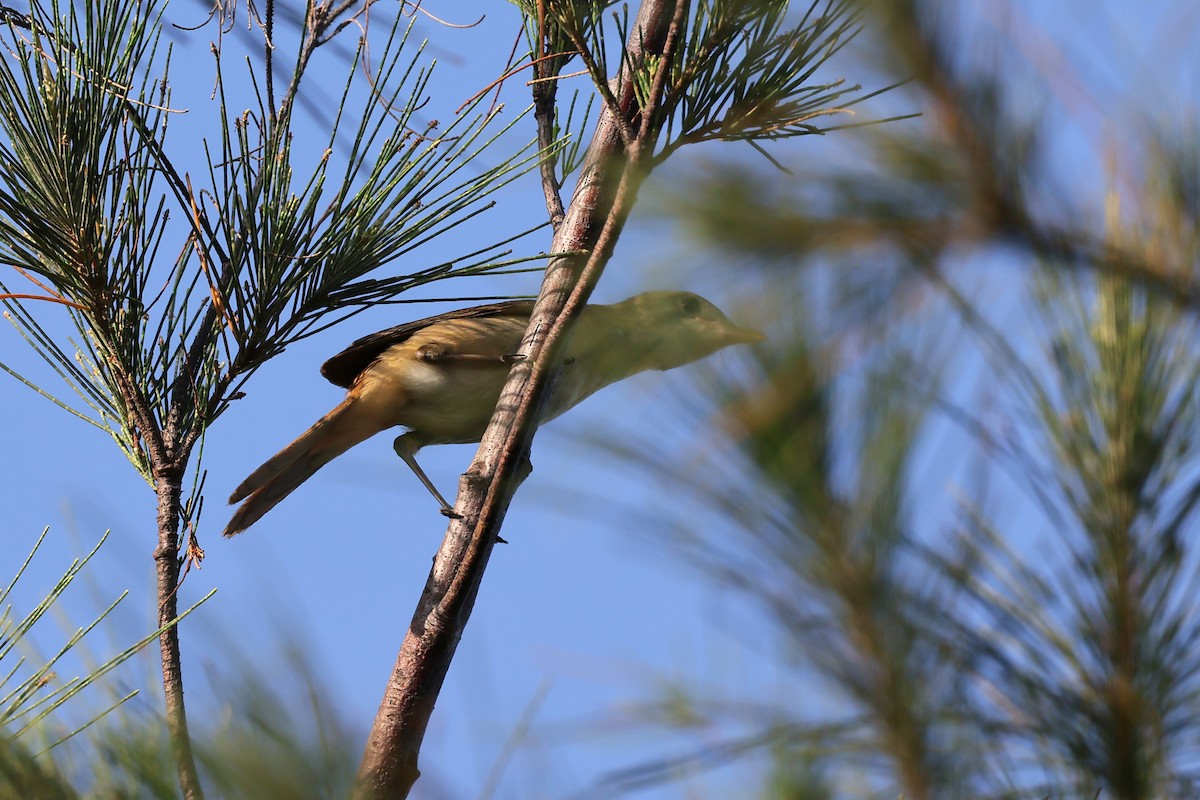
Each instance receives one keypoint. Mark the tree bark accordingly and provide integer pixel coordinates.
(607, 187)
(168, 484)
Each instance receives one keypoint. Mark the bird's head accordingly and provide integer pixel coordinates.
(677, 328)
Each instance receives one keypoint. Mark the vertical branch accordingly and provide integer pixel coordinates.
(609, 180)
(545, 91)
(167, 487)
(167, 451)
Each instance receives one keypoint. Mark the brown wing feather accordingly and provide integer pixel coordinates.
(343, 368)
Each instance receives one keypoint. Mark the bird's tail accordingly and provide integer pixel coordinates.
(331, 435)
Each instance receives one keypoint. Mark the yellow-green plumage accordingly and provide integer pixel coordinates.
(441, 378)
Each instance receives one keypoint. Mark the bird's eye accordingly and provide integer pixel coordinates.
(690, 305)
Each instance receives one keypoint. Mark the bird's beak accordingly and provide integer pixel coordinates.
(739, 335)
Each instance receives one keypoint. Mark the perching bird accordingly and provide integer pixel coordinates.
(441, 377)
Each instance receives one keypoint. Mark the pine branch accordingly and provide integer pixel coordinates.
(602, 201)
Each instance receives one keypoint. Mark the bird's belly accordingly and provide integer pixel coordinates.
(449, 404)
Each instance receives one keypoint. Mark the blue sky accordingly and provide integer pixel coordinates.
(584, 607)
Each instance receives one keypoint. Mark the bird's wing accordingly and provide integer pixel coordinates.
(343, 368)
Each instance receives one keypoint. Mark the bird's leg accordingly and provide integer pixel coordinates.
(406, 446)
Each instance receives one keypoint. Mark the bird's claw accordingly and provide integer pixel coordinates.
(513, 358)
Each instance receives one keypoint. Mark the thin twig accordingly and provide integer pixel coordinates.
(508, 74)
(624, 127)
(544, 108)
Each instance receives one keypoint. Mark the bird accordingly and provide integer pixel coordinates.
(441, 377)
